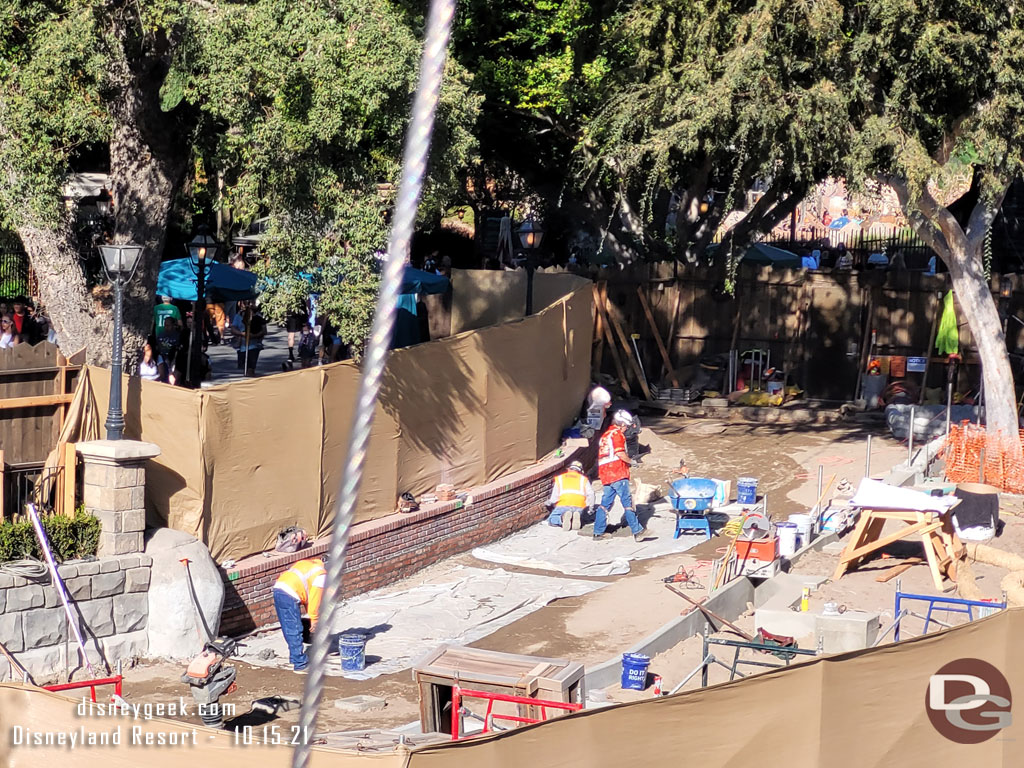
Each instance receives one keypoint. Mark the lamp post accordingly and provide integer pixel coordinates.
(203, 246)
(530, 234)
(120, 263)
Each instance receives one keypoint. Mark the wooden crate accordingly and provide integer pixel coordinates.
(531, 676)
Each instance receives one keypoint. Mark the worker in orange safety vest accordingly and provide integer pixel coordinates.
(613, 465)
(571, 496)
(301, 586)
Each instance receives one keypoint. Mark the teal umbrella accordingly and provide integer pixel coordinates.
(178, 278)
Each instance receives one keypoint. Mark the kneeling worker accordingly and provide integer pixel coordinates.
(571, 496)
(300, 586)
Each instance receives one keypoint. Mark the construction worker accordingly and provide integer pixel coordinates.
(571, 496)
(301, 586)
(613, 468)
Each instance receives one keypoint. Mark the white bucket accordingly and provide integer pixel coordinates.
(804, 525)
(787, 539)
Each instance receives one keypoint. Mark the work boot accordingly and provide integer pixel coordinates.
(599, 536)
(639, 535)
(567, 521)
(577, 521)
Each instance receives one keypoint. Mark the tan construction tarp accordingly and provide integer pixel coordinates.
(241, 461)
(482, 297)
(857, 710)
(30, 712)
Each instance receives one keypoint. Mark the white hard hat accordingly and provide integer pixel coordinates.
(598, 396)
(623, 418)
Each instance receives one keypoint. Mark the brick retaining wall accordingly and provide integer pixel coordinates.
(390, 548)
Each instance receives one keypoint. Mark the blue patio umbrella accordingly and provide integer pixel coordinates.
(417, 281)
(178, 278)
(407, 324)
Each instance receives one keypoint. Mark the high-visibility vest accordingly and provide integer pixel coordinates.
(572, 490)
(610, 467)
(305, 582)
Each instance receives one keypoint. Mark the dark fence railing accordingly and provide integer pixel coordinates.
(860, 243)
(31, 482)
(14, 274)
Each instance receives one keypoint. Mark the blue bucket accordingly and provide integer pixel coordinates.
(352, 649)
(634, 671)
(746, 490)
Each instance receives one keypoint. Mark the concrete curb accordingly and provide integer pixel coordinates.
(729, 603)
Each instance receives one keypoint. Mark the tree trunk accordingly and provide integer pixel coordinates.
(78, 316)
(982, 316)
(960, 249)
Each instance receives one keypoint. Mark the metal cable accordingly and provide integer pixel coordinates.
(414, 167)
(27, 569)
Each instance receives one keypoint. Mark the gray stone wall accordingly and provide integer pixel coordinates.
(108, 597)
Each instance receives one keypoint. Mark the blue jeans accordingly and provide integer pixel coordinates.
(608, 494)
(289, 613)
(555, 518)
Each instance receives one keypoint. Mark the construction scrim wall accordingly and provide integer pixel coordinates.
(241, 461)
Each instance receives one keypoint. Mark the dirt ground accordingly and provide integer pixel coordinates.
(600, 625)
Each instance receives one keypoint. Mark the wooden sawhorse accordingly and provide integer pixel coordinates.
(942, 546)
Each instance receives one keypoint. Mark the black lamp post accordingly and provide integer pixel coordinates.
(203, 246)
(530, 234)
(120, 263)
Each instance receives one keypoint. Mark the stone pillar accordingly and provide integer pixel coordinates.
(114, 480)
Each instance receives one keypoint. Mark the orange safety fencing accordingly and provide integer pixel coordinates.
(974, 456)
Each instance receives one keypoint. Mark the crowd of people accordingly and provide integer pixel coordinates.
(21, 322)
(167, 357)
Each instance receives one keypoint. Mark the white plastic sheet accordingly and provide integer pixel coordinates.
(546, 548)
(874, 494)
(404, 624)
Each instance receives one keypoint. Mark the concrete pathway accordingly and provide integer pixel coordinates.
(224, 358)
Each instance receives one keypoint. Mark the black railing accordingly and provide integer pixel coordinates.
(14, 273)
(30, 482)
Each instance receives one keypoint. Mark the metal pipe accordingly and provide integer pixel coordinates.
(410, 187)
(890, 628)
(58, 583)
(910, 439)
(867, 459)
(115, 414)
(707, 660)
(949, 404)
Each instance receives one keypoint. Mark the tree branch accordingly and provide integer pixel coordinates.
(983, 214)
(925, 227)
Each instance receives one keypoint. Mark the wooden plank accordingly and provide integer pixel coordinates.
(3, 485)
(70, 478)
(922, 526)
(633, 363)
(598, 332)
(657, 337)
(895, 571)
(36, 401)
(619, 368)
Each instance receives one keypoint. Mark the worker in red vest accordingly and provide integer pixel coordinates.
(613, 468)
(301, 586)
(571, 496)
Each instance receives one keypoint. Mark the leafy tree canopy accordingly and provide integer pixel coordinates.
(297, 107)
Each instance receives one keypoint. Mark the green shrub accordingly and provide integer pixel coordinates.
(70, 537)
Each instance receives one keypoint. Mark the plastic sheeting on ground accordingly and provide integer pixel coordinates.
(546, 548)
(402, 625)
